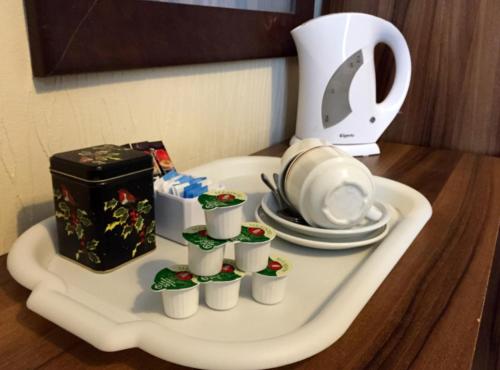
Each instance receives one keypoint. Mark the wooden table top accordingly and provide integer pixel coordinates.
(436, 310)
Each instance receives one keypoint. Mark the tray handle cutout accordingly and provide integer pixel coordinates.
(98, 330)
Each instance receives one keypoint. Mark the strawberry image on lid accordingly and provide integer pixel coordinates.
(228, 272)
(257, 231)
(276, 266)
(227, 268)
(184, 275)
(175, 277)
(254, 232)
(225, 197)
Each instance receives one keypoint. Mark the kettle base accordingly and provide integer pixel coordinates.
(356, 150)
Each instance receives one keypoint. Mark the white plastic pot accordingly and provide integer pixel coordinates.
(205, 263)
(224, 222)
(268, 289)
(181, 303)
(222, 295)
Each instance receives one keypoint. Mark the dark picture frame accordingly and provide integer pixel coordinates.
(74, 36)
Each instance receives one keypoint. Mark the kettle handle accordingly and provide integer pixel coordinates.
(391, 36)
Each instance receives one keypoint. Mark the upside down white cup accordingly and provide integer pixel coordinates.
(222, 290)
(252, 246)
(205, 254)
(179, 289)
(329, 188)
(299, 147)
(269, 285)
(223, 212)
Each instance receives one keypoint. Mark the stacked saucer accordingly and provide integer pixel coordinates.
(366, 232)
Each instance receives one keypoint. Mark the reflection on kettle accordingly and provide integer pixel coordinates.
(337, 84)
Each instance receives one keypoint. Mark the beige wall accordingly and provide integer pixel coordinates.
(200, 112)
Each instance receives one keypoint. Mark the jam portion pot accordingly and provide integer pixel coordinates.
(179, 290)
(222, 290)
(269, 285)
(252, 246)
(223, 212)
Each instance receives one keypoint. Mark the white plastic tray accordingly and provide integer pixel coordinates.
(115, 311)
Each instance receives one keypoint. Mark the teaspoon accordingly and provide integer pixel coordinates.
(284, 211)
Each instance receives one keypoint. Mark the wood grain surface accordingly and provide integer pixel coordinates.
(453, 98)
(488, 346)
(426, 315)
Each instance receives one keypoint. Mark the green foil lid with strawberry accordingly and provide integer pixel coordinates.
(276, 266)
(229, 272)
(174, 278)
(254, 232)
(221, 199)
(198, 235)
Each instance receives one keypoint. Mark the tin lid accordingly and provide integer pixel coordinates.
(101, 162)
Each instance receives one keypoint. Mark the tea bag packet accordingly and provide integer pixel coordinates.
(143, 146)
(269, 284)
(252, 246)
(162, 162)
(205, 254)
(223, 212)
(222, 290)
(180, 291)
(162, 157)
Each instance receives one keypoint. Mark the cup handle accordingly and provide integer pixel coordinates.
(374, 213)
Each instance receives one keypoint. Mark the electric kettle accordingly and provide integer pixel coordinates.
(337, 85)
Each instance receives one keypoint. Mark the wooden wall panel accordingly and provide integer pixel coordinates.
(454, 97)
(75, 36)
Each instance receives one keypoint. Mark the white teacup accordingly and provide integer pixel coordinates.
(329, 188)
(299, 147)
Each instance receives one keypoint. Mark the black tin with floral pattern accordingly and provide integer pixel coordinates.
(104, 207)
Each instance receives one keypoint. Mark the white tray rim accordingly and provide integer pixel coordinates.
(108, 335)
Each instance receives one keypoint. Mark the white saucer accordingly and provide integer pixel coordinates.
(341, 242)
(270, 207)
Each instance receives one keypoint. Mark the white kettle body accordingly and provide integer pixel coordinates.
(337, 84)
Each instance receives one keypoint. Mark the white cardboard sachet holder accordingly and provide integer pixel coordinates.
(173, 214)
(307, 321)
